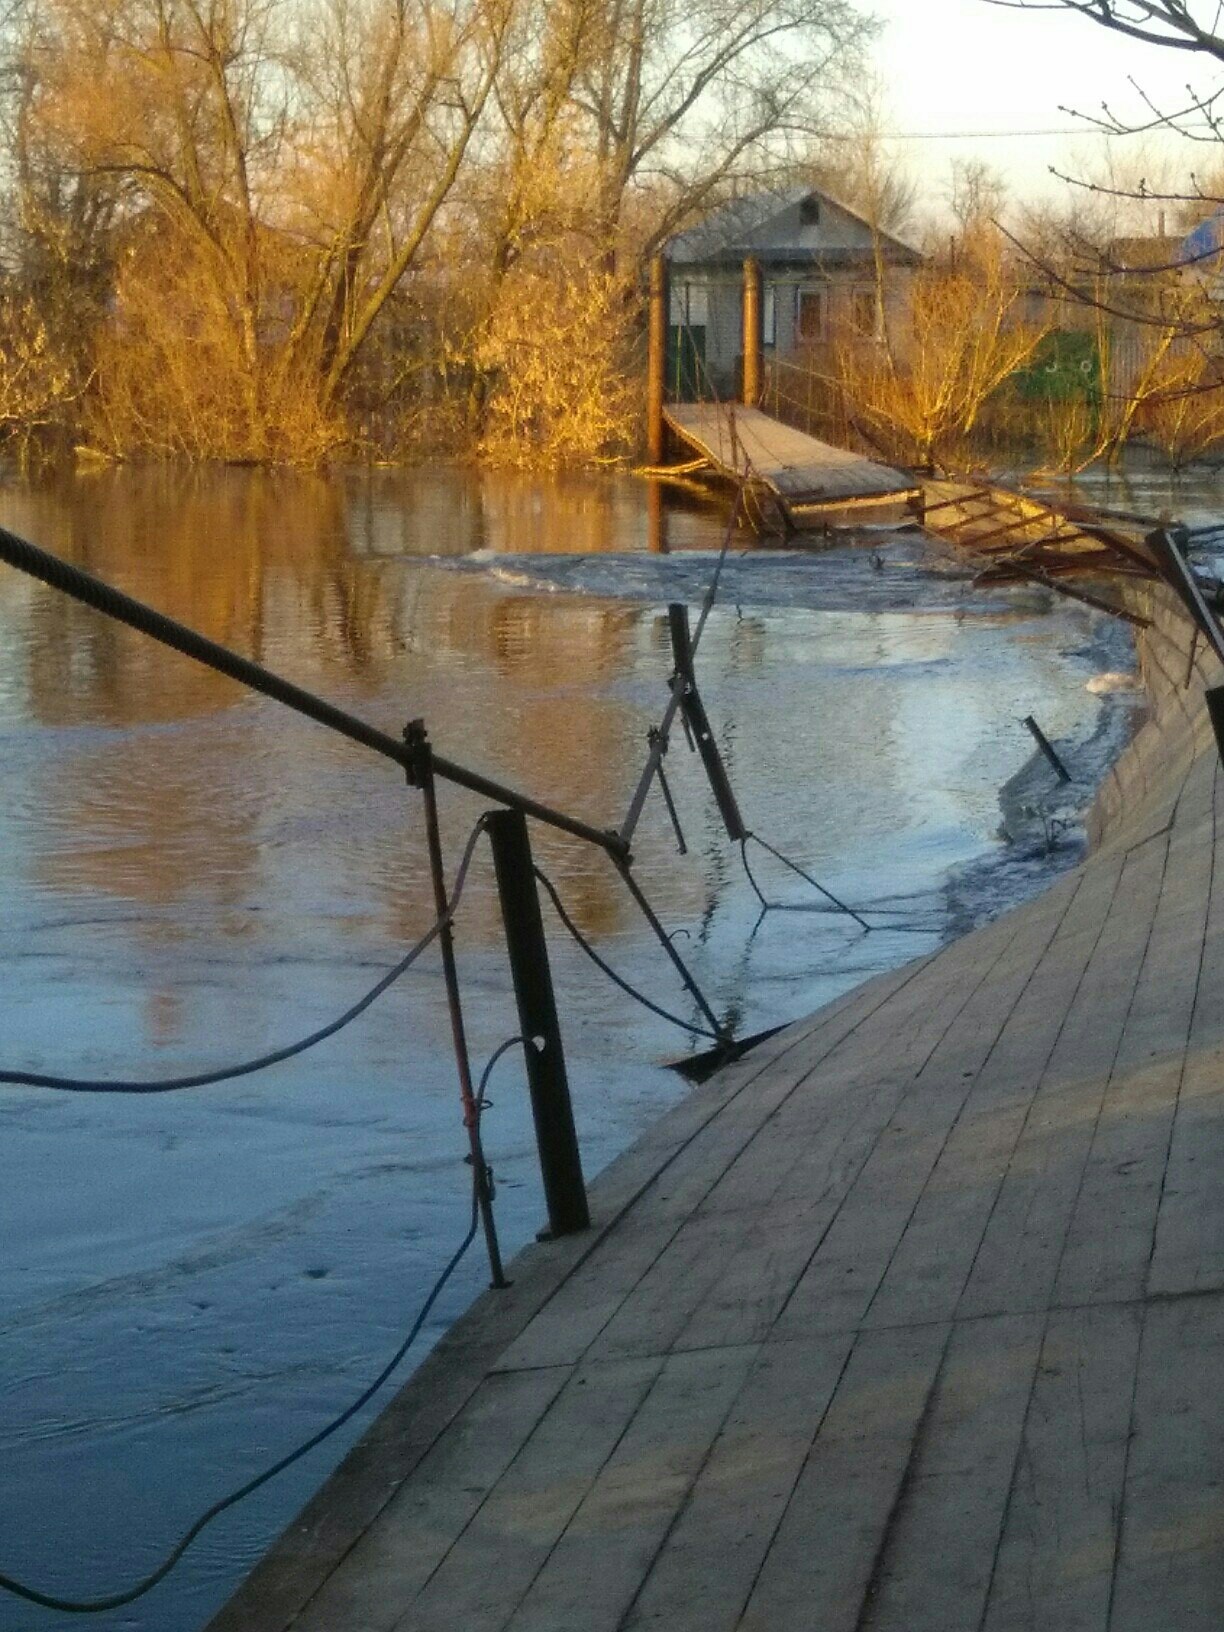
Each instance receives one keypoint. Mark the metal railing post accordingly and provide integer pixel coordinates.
(551, 1109)
(421, 775)
(1215, 710)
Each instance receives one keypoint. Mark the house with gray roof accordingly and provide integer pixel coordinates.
(820, 271)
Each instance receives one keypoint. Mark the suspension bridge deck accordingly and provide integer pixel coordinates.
(802, 475)
(910, 1321)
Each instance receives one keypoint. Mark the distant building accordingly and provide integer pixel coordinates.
(1154, 253)
(819, 267)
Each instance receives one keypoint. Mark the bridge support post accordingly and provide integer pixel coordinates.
(656, 360)
(551, 1110)
(751, 392)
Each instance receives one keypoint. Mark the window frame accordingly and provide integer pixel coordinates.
(864, 292)
(803, 293)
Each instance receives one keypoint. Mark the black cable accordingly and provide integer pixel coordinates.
(96, 1606)
(201, 1079)
(795, 868)
(839, 907)
(618, 980)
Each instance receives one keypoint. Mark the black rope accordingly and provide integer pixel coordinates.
(618, 980)
(795, 868)
(202, 1079)
(97, 1606)
(839, 907)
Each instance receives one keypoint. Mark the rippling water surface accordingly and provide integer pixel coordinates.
(192, 1284)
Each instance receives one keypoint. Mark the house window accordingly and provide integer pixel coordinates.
(769, 315)
(809, 211)
(690, 305)
(865, 311)
(810, 314)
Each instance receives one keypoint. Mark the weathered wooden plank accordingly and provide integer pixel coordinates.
(747, 442)
(1109, 1239)
(396, 1554)
(573, 1318)
(839, 1112)
(1170, 1570)
(819, 1566)
(497, 1555)
(1188, 1254)
(704, 1573)
(851, 1259)
(934, 1562)
(928, 1272)
(1054, 1566)
(592, 1575)
(1021, 1249)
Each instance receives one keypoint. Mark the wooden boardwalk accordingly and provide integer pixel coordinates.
(912, 1321)
(803, 476)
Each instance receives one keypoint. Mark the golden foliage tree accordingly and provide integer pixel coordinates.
(37, 380)
(963, 334)
(556, 353)
(271, 193)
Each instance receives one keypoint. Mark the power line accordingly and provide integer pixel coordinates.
(991, 135)
(96, 1606)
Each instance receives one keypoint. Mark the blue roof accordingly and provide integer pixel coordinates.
(1206, 240)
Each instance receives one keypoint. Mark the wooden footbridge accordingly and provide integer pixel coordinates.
(801, 480)
(1008, 535)
(911, 1321)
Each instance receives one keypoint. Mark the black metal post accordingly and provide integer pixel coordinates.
(717, 1029)
(1043, 742)
(1215, 708)
(693, 712)
(551, 1109)
(421, 775)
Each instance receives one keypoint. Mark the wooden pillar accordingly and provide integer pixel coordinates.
(656, 519)
(656, 360)
(752, 333)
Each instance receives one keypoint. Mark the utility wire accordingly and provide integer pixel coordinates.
(202, 1079)
(97, 1606)
(838, 907)
(618, 980)
(795, 868)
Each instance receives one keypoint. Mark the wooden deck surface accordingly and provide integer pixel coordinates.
(798, 468)
(912, 1321)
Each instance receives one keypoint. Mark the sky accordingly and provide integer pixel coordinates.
(968, 66)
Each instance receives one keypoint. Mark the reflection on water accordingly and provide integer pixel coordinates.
(192, 875)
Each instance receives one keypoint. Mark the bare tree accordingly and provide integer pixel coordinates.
(976, 193)
(922, 394)
(1158, 298)
(685, 96)
(1177, 24)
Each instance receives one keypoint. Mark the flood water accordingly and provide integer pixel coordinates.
(193, 1283)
